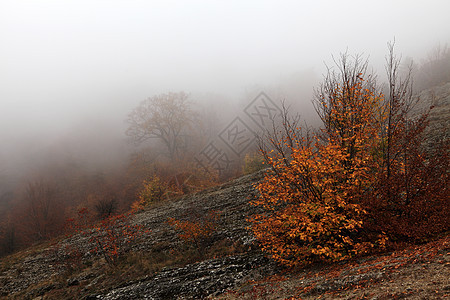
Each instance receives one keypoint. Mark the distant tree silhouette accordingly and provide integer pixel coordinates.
(165, 117)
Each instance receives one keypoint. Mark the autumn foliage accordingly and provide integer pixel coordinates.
(195, 232)
(115, 236)
(363, 182)
(153, 190)
(313, 199)
(110, 238)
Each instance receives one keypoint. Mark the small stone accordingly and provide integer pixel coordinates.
(73, 282)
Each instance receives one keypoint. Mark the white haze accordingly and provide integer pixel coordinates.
(71, 67)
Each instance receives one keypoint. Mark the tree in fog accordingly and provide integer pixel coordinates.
(42, 214)
(431, 71)
(8, 236)
(164, 117)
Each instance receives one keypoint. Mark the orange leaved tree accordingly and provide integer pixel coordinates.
(313, 194)
(367, 177)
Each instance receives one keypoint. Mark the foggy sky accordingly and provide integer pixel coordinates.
(68, 62)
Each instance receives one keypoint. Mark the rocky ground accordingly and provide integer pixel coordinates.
(421, 272)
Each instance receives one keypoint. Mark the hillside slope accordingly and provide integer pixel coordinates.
(38, 272)
(418, 273)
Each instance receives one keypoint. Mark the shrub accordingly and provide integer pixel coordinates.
(153, 190)
(197, 231)
(106, 207)
(253, 162)
(114, 236)
(111, 237)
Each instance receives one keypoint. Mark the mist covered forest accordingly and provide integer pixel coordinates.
(61, 154)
